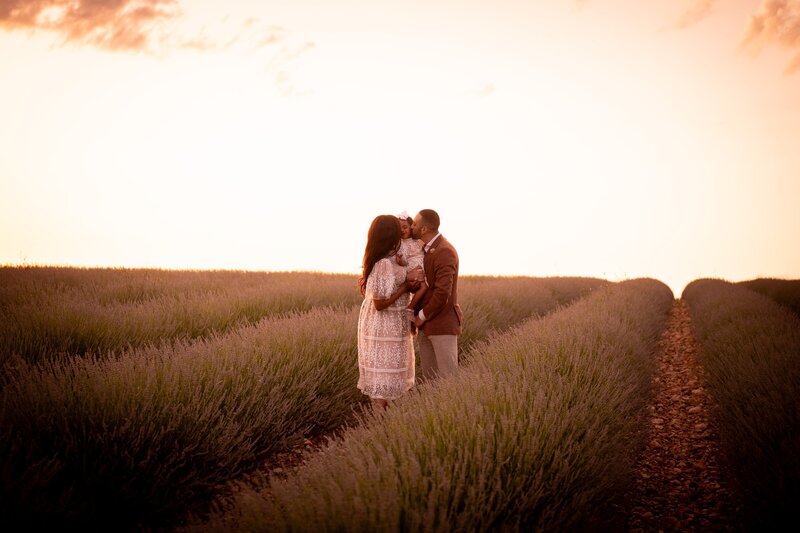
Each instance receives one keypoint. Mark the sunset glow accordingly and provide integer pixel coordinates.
(608, 138)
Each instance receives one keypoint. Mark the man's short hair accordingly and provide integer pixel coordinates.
(430, 218)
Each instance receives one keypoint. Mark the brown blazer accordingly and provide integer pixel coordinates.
(440, 303)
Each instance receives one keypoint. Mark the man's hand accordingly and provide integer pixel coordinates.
(418, 322)
(416, 275)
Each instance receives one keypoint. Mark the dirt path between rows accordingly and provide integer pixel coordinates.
(682, 481)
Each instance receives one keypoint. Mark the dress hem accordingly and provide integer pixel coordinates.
(384, 397)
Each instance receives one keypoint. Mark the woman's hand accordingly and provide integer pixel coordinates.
(380, 305)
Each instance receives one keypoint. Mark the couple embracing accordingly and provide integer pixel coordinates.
(409, 283)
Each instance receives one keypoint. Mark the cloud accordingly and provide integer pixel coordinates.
(698, 11)
(157, 27)
(248, 36)
(133, 25)
(776, 22)
(277, 68)
(794, 65)
(109, 24)
(488, 90)
(484, 92)
(270, 45)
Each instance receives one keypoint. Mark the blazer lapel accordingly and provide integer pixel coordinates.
(427, 262)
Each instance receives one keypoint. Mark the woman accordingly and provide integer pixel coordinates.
(385, 347)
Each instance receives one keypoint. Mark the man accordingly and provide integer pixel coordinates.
(439, 319)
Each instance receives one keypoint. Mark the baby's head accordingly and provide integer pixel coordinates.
(405, 225)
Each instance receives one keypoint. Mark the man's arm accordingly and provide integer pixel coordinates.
(444, 272)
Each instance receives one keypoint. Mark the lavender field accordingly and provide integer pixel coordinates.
(621, 150)
(143, 398)
(130, 396)
(751, 353)
(535, 434)
(783, 291)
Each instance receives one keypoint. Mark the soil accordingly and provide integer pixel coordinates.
(682, 479)
(280, 465)
(277, 466)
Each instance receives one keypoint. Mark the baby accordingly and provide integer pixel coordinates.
(411, 256)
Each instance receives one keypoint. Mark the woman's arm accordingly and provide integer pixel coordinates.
(423, 288)
(380, 305)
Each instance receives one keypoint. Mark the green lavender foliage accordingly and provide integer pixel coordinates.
(101, 441)
(783, 291)
(750, 350)
(114, 440)
(492, 304)
(47, 313)
(538, 432)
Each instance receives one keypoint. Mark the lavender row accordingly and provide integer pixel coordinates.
(784, 291)
(750, 350)
(146, 434)
(40, 322)
(539, 432)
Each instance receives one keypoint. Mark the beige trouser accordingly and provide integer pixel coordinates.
(438, 355)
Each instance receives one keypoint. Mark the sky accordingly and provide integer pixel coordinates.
(607, 138)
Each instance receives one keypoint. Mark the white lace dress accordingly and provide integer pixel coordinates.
(411, 250)
(385, 345)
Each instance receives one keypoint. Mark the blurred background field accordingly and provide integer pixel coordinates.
(51, 312)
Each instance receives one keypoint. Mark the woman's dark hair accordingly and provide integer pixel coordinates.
(383, 239)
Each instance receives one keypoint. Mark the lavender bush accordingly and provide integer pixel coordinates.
(750, 349)
(539, 432)
(783, 291)
(492, 304)
(49, 312)
(139, 436)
